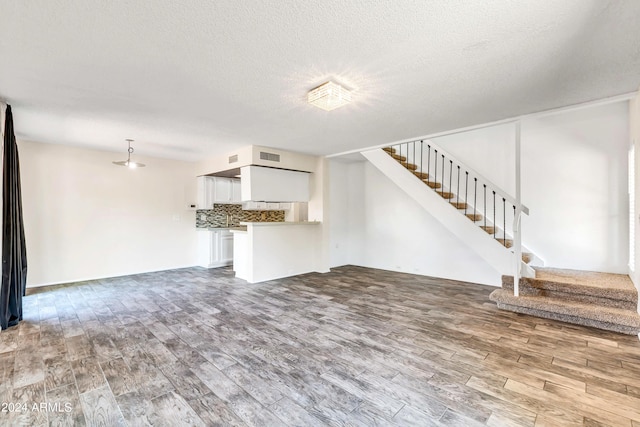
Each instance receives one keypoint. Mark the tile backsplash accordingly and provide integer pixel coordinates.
(217, 217)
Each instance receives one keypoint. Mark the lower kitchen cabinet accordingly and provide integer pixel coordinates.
(226, 247)
(215, 248)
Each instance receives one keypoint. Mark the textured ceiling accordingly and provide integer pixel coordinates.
(188, 79)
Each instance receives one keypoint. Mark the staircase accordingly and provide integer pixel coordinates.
(600, 300)
(454, 200)
(473, 209)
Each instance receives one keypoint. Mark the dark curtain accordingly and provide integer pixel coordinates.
(14, 252)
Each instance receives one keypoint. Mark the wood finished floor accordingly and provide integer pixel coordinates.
(352, 347)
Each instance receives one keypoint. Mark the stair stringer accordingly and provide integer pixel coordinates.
(496, 255)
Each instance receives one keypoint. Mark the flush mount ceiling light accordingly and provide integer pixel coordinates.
(329, 96)
(129, 163)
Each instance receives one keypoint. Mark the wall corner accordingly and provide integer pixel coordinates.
(634, 140)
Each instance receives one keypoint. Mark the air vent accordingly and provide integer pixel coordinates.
(233, 159)
(269, 156)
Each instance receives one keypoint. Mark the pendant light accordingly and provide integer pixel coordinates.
(129, 163)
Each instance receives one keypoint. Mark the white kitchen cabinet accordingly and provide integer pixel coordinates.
(215, 248)
(222, 190)
(226, 248)
(212, 189)
(236, 195)
(205, 192)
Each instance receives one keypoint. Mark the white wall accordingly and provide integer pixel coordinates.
(339, 213)
(318, 209)
(3, 108)
(574, 180)
(634, 131)
(86, 218)
(490, 152)
(392, 232)
(357, 220)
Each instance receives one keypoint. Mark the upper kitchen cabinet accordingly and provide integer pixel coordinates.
(221, 190)
(205, 192)
(236, 191)
(213, 189)
(274, 185)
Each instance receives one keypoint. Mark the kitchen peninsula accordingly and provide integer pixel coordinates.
(272, 250)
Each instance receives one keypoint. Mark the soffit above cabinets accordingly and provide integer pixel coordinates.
(231, 173)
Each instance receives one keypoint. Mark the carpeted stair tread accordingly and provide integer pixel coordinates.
(433, 184)
(601, 285)
(527, 257)
(628, 330)
(592, 279)
(526, 289)
(609, 318)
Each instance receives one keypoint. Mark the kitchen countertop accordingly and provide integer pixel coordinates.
(243, 225)
(280, 223)
(217, 228)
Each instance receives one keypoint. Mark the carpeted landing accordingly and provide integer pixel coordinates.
(600, 300)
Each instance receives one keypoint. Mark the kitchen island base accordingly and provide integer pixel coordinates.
(272, 250)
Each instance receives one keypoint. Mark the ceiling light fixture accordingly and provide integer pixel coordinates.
(129, 163)
(329, 96)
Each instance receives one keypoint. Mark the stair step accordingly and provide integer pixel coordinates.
(475, 217)
(578, 313)
(421, 175)
(507, 243)
(409, 166)
(460, 205)
(534, 287)
(398, 157)
(527, 257)
(433, 184)
(490, 229)
(446, 194)
(577, 282)
(390, 150)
